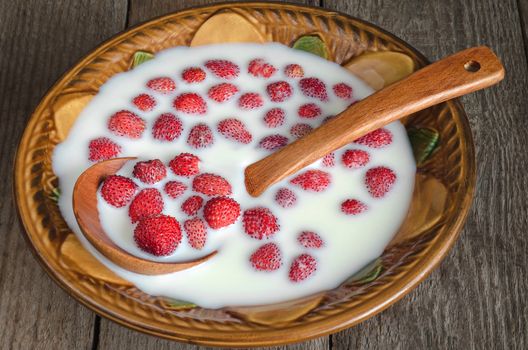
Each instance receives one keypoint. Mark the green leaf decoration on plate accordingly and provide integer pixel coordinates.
(141, 57)
(369, 273)
(175, 304)
(55, 194)
(424, 141)
(312, 44)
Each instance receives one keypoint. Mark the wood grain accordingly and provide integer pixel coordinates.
(477, 298)
(39, 41)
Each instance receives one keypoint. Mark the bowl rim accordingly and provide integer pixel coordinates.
(269, 337)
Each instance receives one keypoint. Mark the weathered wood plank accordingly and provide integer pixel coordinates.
(39, 41)
(522, 7)
(476, 299)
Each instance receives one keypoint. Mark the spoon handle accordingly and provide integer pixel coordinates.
(464, 72)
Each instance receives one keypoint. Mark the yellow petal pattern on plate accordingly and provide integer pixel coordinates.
(66, 109)
(380, 69)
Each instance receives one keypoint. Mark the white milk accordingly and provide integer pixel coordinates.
(228, 279)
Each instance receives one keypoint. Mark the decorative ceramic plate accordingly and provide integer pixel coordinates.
(440, 137)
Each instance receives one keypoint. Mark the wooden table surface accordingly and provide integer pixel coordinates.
(477, 299)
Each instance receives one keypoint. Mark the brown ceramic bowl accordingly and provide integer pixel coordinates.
(444, 187)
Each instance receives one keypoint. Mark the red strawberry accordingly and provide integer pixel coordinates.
(144, 102)
(174, 189)
(285, 198)
(192, 205)
(313, 87)
(300, 129)
(259, 68)
(353, 207)
(147, 203)
(211, 185)
(294, 71)
(221, 212)
(223, 68)
(193, 75)
(196, 232)
(379, 181)
(250, 100)
(329, 160)
(260, 223)
(126, 123)
(185, 164)
(167, 127)
(376, 139)
(222, 92)
(150, 172)
(234, 129)
(118, 190)
(279, 91)
(355, 158)
(274, 117)
(273, 142)
(302, 267)
(309, 111)
(190, 103)
(343, 91)
(266, 258)
(162, 85)
(312, 180)
(309, 239)
(200, 136)
(158, 235)
(102, 149)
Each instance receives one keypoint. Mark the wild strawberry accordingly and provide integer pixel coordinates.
(221, 212)
(279, 91)
(379, 181)
(376, 139)
(302, 267)
(266, 258)
(167, 127)
(294, 71)
(312, 180)
(158, 235)
(259, 68)
(126, 123)
(185, 164)
(222, 92)
(355, 158)
(200, 136)
(102, 149)
(274, 117)
(285, 198)
(329, 160)
(309, 111)
(193, 75)
(250, 100)
(147, 203)
(162, 85)
(343, 91)
(150, 172)
(174, 189)
(234, 129)
(190, 103)
(300, 129)
(211, 185)
(353, 207)
(144, 102)
(191, 205)
(313, 87)
(118, 190)
(273, 142)
(196, 232)
(259, 223)
(223, 68)
(309, 239)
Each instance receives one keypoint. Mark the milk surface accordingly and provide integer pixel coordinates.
(228, 279)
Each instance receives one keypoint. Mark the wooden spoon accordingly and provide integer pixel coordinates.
(464, 72)
(87, 215)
